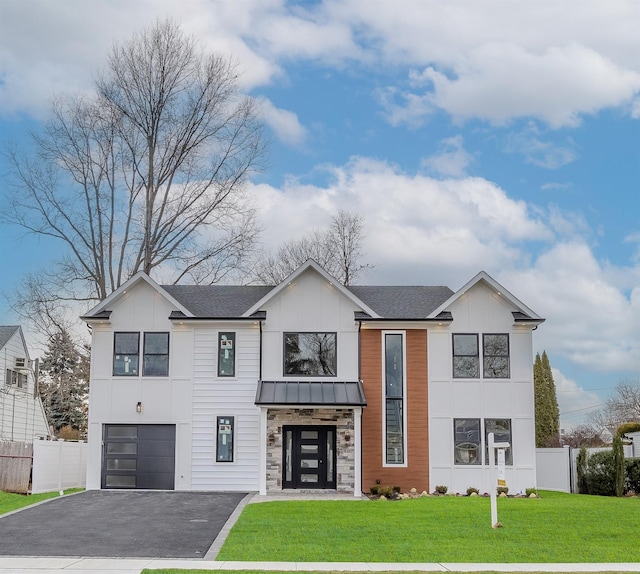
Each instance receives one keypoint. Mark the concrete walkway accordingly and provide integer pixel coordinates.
(22, 565)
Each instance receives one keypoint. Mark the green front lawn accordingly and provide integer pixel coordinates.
(555, 528)
(10, 501)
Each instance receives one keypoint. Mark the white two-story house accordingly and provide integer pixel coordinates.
(309, 385)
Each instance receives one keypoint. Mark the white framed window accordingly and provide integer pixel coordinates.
(394, 392)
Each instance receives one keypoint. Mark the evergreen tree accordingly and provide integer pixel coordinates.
(64, 383)
(547, 413)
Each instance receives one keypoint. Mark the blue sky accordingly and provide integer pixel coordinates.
(496, 135)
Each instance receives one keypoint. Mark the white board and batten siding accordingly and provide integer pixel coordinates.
(481, 310)
(165, 400)
(215, 396)
(310, 304)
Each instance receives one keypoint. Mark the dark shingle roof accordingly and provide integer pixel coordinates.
(400, 302)
(6, 332)
(391, 302)
(217, 301)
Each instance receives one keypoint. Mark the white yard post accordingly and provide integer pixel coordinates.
(497, 481)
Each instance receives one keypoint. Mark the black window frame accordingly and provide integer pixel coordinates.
(486, 370)
(503, 436)
(145, 354)
(287, 372)
(394, 398)
(115, 354)
(233, 351)
(459, 441)
(225, 421)
(455, 355)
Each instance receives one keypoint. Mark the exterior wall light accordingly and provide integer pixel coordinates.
(139, 407)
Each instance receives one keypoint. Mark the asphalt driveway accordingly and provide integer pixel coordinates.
(128, 524)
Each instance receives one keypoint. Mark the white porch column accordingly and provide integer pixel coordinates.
(263, 451)
(357, 452)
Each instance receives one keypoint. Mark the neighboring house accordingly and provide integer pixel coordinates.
(22, 415)
(309, 384)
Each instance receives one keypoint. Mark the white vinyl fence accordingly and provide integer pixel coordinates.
(556, 468)
(58, 465)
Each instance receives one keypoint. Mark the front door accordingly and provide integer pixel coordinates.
(309, 457)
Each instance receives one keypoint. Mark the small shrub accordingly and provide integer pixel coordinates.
(581, 466)
(472, 490)
(385, 491)
(502, 489)
(374, 490)
(396, 489)
(530, 491)
(633, 475)
(601, 474)
(442, 489)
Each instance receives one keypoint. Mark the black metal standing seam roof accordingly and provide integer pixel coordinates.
(318, 393)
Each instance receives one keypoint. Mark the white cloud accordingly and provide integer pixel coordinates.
(547, 154)
(491, 60)
(422, 230)
(574, 402)
(452, 159)
(498, 82)
(284, 123)
(591, 320)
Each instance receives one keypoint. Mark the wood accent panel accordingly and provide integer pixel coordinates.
(416, 473)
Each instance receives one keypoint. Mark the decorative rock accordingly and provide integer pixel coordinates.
(382, 497)
(503, 495)
(413, 491)
(424, 493)
(474, 494)
(533, 495)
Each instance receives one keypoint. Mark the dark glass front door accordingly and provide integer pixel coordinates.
(309, 457)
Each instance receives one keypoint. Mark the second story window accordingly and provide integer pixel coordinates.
(126, 350)
(310, 354)
(226, 354)
(466, 360)
(495, 351)
(156, 355)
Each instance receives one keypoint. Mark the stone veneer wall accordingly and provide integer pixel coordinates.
(341, 418)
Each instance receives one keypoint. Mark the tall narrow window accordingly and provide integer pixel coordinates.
(126, 351)
(226, 354)
(224, 449)
(156, 355)
(394, 398)
(495, 353)
(466, 362)
(501, 429)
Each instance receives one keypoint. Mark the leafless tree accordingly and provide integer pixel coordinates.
(147, 173)
(338, 249)
(623, 406)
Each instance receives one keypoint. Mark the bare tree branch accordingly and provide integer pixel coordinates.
(147, 174)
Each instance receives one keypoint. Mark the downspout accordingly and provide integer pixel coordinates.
(361, 409)
(260, 356)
